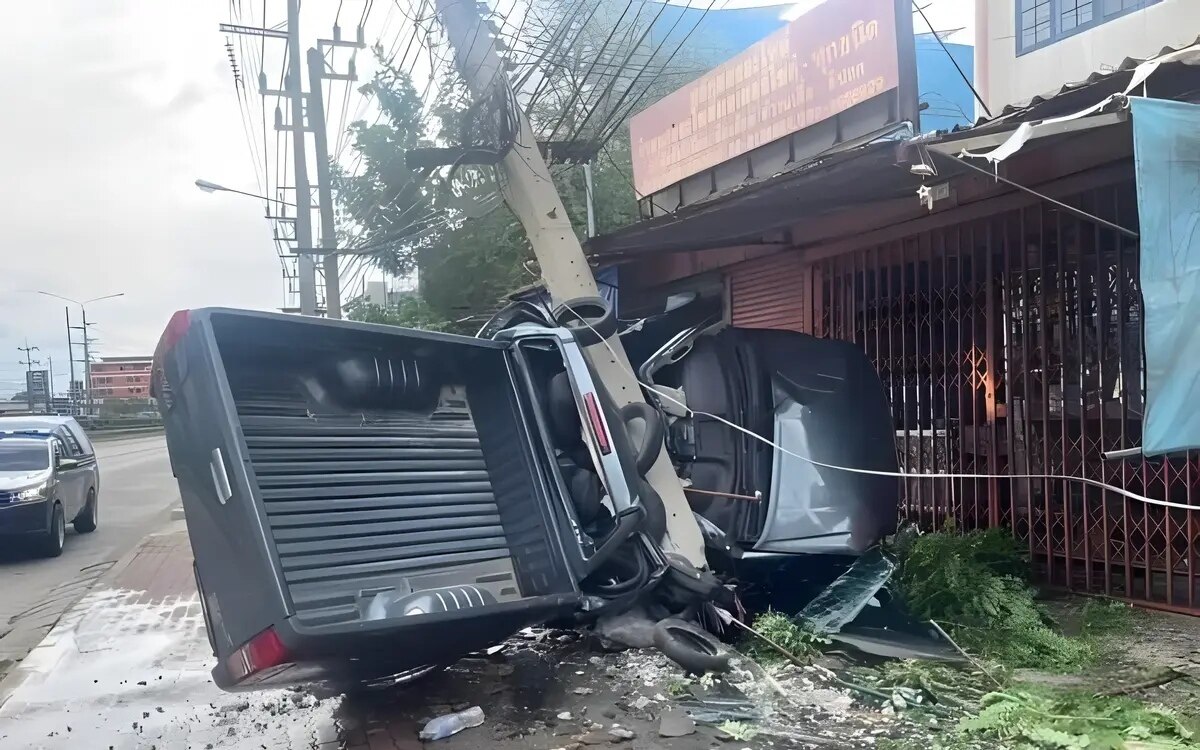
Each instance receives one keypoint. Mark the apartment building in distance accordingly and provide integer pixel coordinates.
(1028, 48)
(121, 379)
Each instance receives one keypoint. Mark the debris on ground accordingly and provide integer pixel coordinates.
(852, 592)
(451, 724)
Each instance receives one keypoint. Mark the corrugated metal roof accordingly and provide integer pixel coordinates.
(1122, 71)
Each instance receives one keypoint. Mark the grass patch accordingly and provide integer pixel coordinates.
(789, 633)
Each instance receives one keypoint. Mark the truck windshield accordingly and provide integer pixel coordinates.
(24, 457)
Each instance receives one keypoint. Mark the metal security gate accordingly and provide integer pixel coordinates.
(770, 292)
(1013, 345)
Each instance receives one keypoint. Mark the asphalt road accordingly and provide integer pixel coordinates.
(137, 492)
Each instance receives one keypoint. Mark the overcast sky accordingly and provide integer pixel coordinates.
(112, 109)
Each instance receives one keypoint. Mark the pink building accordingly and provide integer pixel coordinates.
(121, 378)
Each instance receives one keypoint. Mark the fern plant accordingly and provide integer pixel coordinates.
(1031, 718)
(974, 585)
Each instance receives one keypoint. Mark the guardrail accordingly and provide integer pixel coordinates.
(100, 436)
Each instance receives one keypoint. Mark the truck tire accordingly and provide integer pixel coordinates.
(591, 319)
(690, 647)
(86, 521)
(52, 543)
(656, 512)
(650, 445)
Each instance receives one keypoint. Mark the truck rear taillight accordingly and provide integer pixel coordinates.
(261, 653)
(177, 326)
(597, 422)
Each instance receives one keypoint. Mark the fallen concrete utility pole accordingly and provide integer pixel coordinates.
(530, 193)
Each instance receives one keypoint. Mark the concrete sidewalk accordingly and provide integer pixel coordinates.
(128, 667)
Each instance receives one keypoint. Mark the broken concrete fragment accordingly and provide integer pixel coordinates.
(594, 738)
(621, 734)
(676, 723)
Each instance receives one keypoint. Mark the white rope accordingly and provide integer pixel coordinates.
(874, 472)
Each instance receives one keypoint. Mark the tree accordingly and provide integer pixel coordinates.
(410, 311)
(449, 225)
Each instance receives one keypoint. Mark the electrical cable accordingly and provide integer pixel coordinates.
(580, 128)
(966, 79)
(578, 89)
(605, 136)
(620, 361)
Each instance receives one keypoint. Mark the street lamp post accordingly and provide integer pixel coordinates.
(306, 263)
(212, 187)
(87, 355)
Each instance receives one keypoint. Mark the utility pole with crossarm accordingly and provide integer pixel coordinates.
(530, 193)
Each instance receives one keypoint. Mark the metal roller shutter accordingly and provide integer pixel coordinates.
(771, 292)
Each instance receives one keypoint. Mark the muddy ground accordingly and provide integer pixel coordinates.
(557, 690)
(129, 668)
(1156, 641)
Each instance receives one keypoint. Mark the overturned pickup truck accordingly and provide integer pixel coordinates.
(366, 504)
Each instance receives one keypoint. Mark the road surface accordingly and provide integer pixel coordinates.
(136, 494)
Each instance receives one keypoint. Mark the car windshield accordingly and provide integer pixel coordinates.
(23, 457)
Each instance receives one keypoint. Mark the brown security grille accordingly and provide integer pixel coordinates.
(1013, 345)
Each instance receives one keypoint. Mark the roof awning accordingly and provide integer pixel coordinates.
(744, 215)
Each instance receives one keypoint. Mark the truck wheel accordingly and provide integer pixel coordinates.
(85, 522)
(656, 512)
(56, 537)
(591, 319)
(690, 647)
(651, 438)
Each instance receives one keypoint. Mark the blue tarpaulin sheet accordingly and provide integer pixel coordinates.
(1166, 138)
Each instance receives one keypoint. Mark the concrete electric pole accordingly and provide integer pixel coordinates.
(87, 361)
(306, 262)
(316, 123)
(530, 193)
(29, 362)
(307, 114)
(71, 395)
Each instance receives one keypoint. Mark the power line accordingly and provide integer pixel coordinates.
(957, 67)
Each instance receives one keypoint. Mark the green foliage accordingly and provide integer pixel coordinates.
(738, 730)
(793, 636)
(1031, 718)
(679, 687)
(973, 584)
(410, 311)
(450, 227)
(1104, 617)
(945, 683)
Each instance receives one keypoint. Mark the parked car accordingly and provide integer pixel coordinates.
(367, 503)
(49, 476)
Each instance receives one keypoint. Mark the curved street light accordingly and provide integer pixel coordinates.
(212, 187)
